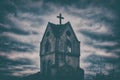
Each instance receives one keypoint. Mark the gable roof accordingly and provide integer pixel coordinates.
(59, 29)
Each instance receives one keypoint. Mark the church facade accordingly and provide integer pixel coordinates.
(60, 52)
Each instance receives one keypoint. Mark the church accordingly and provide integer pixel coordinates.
(60, 52)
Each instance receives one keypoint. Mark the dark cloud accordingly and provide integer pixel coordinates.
(61, 2)
(6, 7)
(102, 64)
(12, 30)
(97, 36)
(45, 7)
(110, 45)
(7, 67)
(107, 47)
(8, 44)
(97, 59)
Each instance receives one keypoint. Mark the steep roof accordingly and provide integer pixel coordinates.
(58, 29)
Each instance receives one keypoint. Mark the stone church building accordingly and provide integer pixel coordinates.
(60, 52)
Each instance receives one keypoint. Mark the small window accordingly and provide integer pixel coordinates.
(48, 33)
(47, 46)
(68, 33)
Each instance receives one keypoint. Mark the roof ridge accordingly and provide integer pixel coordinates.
(58, 29)
(59, 24)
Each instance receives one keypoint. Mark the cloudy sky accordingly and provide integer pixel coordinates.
(23, 22)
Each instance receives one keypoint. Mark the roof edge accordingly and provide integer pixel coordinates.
(59, 24)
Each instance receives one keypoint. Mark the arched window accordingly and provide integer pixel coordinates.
(69, 46)
(47, 46)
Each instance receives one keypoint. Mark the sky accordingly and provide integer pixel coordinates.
(23, 22)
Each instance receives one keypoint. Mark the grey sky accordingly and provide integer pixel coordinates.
(23, 22)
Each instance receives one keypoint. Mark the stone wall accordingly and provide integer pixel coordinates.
(72, 61)
(45, 59)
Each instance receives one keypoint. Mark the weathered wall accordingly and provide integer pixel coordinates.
(47, 56)
(51, 39)
(64, 57)
(73, 61)
(75, 43)
(61, 60)
(73, 57)
(45, 59)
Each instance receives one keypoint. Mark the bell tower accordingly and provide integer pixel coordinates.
(59, 49)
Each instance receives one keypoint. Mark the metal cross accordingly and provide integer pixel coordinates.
(60, 18)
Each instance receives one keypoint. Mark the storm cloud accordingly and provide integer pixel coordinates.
(23, 22)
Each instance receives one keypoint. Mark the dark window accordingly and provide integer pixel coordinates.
(49, 63)
(69, 46)
(47, 46)
(68, 33)
(48, 33)
(44, 69)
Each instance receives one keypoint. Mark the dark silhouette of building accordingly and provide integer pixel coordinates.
(60, 52)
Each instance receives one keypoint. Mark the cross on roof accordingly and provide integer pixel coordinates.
(60, 18)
